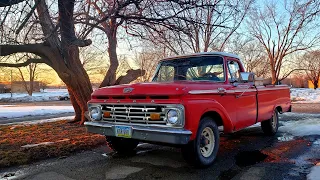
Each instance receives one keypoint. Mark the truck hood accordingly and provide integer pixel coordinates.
(155, 88)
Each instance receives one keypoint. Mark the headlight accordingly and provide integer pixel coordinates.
(172, 116)
(95, 113)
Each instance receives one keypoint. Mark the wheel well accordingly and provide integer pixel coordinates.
(279, 109)
(216, 117)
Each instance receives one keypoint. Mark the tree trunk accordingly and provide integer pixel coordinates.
(76, 107)
(110, 77)
(77, 80)
(72, 72)
(273, 76)
(315, 84)
(30, 91)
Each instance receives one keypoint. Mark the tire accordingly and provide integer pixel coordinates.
(66, 98)
(197, 152)
(270, 126)
(122, 145)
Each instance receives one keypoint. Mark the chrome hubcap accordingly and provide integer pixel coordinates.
(207, 142)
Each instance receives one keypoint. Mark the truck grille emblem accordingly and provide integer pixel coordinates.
(127, 90)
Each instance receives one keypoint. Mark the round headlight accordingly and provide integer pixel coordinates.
(172, 116)
(95, 113)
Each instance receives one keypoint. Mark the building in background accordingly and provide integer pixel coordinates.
(21, 86)
(311, 86)
(5, 87)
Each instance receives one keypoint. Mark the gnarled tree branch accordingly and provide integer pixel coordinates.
(4, 3)
(131, 75)
(37, 49)
(26, 63)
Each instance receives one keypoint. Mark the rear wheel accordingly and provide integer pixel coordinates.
(270, 126)
(202, 151)
(122, 145)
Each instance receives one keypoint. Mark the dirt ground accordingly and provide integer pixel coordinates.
(306, 108)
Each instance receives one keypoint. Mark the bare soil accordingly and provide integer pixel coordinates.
(306, 108)
(22, 144)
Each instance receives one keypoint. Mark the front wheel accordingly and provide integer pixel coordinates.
(122, 145)
(270, 126)
(202, 151)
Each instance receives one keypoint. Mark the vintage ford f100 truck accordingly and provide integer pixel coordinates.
(189, 100)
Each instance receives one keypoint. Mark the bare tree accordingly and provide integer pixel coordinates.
(137, 17)
(148, 60)
(252, 55)
(311, 62)
(58, 49)
(201, 29)
(286, 31)
(29, 85)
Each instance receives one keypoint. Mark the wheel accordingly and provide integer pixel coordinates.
(270, 126)
(66, 98)
(122, 145)
(202, 151)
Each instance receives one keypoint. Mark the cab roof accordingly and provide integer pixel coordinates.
(202, 54)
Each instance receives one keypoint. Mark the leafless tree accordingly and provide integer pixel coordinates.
(311, 62)
(285, 30)
(252, 55)
(29, 83)
(55, 44)
(148, 60)
(201, 29)
(141, 16)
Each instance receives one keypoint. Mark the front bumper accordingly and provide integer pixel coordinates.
(145, 133)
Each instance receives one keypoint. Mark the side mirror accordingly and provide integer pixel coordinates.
(246, 77)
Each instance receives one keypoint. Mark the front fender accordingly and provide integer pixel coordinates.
(196, 108)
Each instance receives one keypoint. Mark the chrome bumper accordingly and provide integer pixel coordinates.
(145, 133)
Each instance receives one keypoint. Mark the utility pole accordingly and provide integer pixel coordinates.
(11, 83)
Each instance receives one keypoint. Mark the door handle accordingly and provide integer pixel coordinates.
(222, 90)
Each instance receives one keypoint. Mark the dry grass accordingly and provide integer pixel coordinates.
(68, 138)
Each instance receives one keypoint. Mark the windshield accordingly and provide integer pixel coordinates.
(203, 68)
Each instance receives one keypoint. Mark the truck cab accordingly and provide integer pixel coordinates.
(189, 98)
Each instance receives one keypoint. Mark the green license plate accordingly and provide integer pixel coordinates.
(123, 131)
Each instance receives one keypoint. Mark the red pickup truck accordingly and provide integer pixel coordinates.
(191, 99)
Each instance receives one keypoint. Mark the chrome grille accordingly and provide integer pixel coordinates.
(139, 114)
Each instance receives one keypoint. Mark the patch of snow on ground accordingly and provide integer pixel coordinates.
(304, 127)
(315, 173)
(305, 95)
(18, 111)
(316, 143)
(44, 95)
(11, 175)
(41, 121)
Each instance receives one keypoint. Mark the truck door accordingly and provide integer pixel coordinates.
(244, 96)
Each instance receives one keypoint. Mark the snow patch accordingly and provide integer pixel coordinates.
(45, 95)
(11, 175)
(39, 144)
(305, 95)
(304, 127)
(43, 143)
(314, 173)
(316, 143)
(41, 121)
(21, 111)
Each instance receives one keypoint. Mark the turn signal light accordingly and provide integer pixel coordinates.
(106, 114)
(155, 116)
